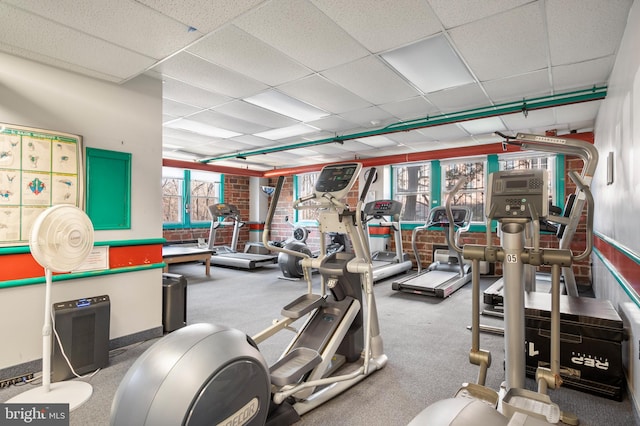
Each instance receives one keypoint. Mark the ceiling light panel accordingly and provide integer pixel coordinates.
(286, 132)
(430, 64)
(201, 128)
(286, 105)
(363, 78)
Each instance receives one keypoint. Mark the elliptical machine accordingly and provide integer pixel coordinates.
(206, 374)
(515, 198)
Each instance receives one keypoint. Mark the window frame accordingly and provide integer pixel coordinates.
(487, 169)
(186, 221)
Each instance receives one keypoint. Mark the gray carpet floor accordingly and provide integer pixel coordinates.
(426, 341)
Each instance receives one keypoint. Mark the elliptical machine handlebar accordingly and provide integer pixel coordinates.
(267, 226)
(586, 190)
(458, 186)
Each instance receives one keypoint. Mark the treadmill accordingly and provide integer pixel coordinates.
(448, 272)
(223, 214)
(387, 263)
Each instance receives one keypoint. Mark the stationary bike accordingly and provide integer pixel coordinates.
(206, 374)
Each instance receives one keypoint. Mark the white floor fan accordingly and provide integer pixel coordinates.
(60, 241)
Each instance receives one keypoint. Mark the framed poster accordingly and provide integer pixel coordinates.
(38, 169)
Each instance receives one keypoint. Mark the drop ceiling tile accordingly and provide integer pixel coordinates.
(324, 94)
(536, 118)
(363, 77)
(459, 98)
(236, 50)
(371, 118)
(187, 94)
(303, 32)
(454, 13)
(513, 88)
(333, 124)
(414, 137)
(198, 72)
(444, 132)
(583, 74)
(204, 16)
(409, 109)
(226, 122)
(594, 29)
(254, 141)
(378, 141)
(577, 113)
(386, 23)
(36, 37)
(505, 44)
(187, 137)
(248, 112)
(356, 146)
(178, 109)
(483, 125)
(121, 22)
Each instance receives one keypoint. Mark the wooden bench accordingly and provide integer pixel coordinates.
(177, 254)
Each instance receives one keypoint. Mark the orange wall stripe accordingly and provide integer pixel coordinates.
(625, 266)
(23, 265)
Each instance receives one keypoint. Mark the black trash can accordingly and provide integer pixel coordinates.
(174, 301)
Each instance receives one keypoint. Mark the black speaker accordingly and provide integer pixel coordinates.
(83, 328)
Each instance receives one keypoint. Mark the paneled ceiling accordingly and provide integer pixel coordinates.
(269, 84)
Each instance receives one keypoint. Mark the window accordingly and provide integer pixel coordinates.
(205, 191)
(533, 161)
(185, 208)
(472, 193)
(412, 187)
(172, 195)
(305, 185)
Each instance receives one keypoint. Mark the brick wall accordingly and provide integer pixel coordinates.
(236, 191)
(426, 240)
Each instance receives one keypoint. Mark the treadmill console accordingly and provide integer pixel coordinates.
(381, 208)
(514, 193)
(337, 179)
(461, 216)
(223, 209)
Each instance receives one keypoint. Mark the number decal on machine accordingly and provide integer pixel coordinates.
(511, 258)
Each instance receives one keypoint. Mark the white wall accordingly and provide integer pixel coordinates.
(617, 205)
(126, 118)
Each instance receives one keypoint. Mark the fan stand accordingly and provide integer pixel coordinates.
(76, 392)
